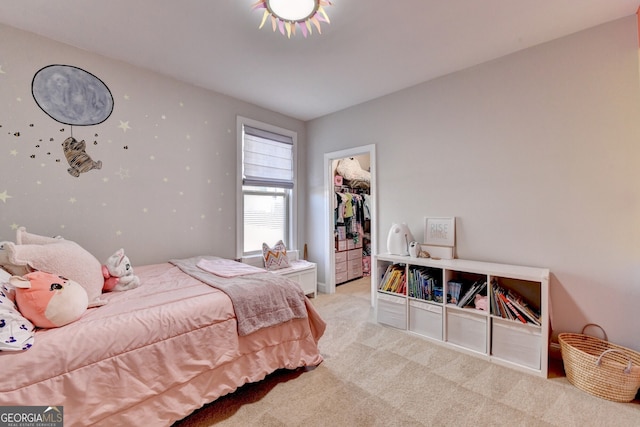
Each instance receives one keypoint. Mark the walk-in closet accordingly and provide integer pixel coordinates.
(352, 211)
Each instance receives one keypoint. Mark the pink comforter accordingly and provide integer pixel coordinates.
(152, 354)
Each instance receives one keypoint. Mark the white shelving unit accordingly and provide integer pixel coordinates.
(512, 343)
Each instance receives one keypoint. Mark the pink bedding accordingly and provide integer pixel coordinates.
(152, 355)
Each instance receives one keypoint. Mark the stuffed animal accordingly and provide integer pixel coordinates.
(350, 169)
(78, 158)
(118, 273)
(63, 257)
(49, 300)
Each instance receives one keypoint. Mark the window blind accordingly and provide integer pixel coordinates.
(267, 158)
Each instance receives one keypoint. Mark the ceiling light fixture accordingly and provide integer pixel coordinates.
(286, 15)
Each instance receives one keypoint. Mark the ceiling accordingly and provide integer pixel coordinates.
(370, 49)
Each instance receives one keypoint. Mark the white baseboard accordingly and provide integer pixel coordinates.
(322, 288)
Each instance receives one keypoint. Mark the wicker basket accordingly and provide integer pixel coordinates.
(599, 367)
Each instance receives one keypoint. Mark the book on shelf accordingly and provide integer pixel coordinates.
(393, 279)
(509, 305)
(421, 283)
(523, 307)
(512, 308)
(453, 291)
(469, 296)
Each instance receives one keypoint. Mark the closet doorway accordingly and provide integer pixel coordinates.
(345, 238)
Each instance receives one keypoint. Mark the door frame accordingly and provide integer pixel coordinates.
(329, 194)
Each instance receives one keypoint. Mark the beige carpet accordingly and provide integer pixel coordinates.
(378, 376)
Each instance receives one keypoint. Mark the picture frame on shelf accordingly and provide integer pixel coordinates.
(440, 231)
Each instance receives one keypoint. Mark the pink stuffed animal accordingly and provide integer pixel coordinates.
(48, 300)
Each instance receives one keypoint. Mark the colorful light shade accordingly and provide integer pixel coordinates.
(287, 15)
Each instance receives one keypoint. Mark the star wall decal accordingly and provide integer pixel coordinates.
(4, 196)
(123, 173)
(124, 125)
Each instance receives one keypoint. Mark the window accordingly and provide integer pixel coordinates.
(267, 180)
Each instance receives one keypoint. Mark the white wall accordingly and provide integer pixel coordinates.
(538, 156)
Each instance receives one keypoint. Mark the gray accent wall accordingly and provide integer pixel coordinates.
(167, 185)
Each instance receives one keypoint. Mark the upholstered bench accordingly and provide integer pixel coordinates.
(303, 272)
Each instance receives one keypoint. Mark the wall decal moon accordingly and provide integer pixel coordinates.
(71, 95)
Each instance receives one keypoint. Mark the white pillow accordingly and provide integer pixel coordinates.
(16, 332)
(275, 258)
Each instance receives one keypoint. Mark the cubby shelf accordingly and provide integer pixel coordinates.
(427, 305)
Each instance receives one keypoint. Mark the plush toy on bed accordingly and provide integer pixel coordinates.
(118, 273)
(32, 252)
(48, 300)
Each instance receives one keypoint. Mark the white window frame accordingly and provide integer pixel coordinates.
(293, 201)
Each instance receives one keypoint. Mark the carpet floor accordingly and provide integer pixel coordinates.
(374, 375)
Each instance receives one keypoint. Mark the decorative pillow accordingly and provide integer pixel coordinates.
(16, 332)
(275, 258)
(61, 257)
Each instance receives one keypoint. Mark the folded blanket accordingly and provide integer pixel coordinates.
(260, 300)
(227, 267)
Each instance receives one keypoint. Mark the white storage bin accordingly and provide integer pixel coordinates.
(425, 319)
(467, 329)
(392, 310)
(517, 343)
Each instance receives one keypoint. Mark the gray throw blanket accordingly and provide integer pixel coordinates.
(259, 300)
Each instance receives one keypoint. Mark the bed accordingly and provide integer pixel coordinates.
(153, 354)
